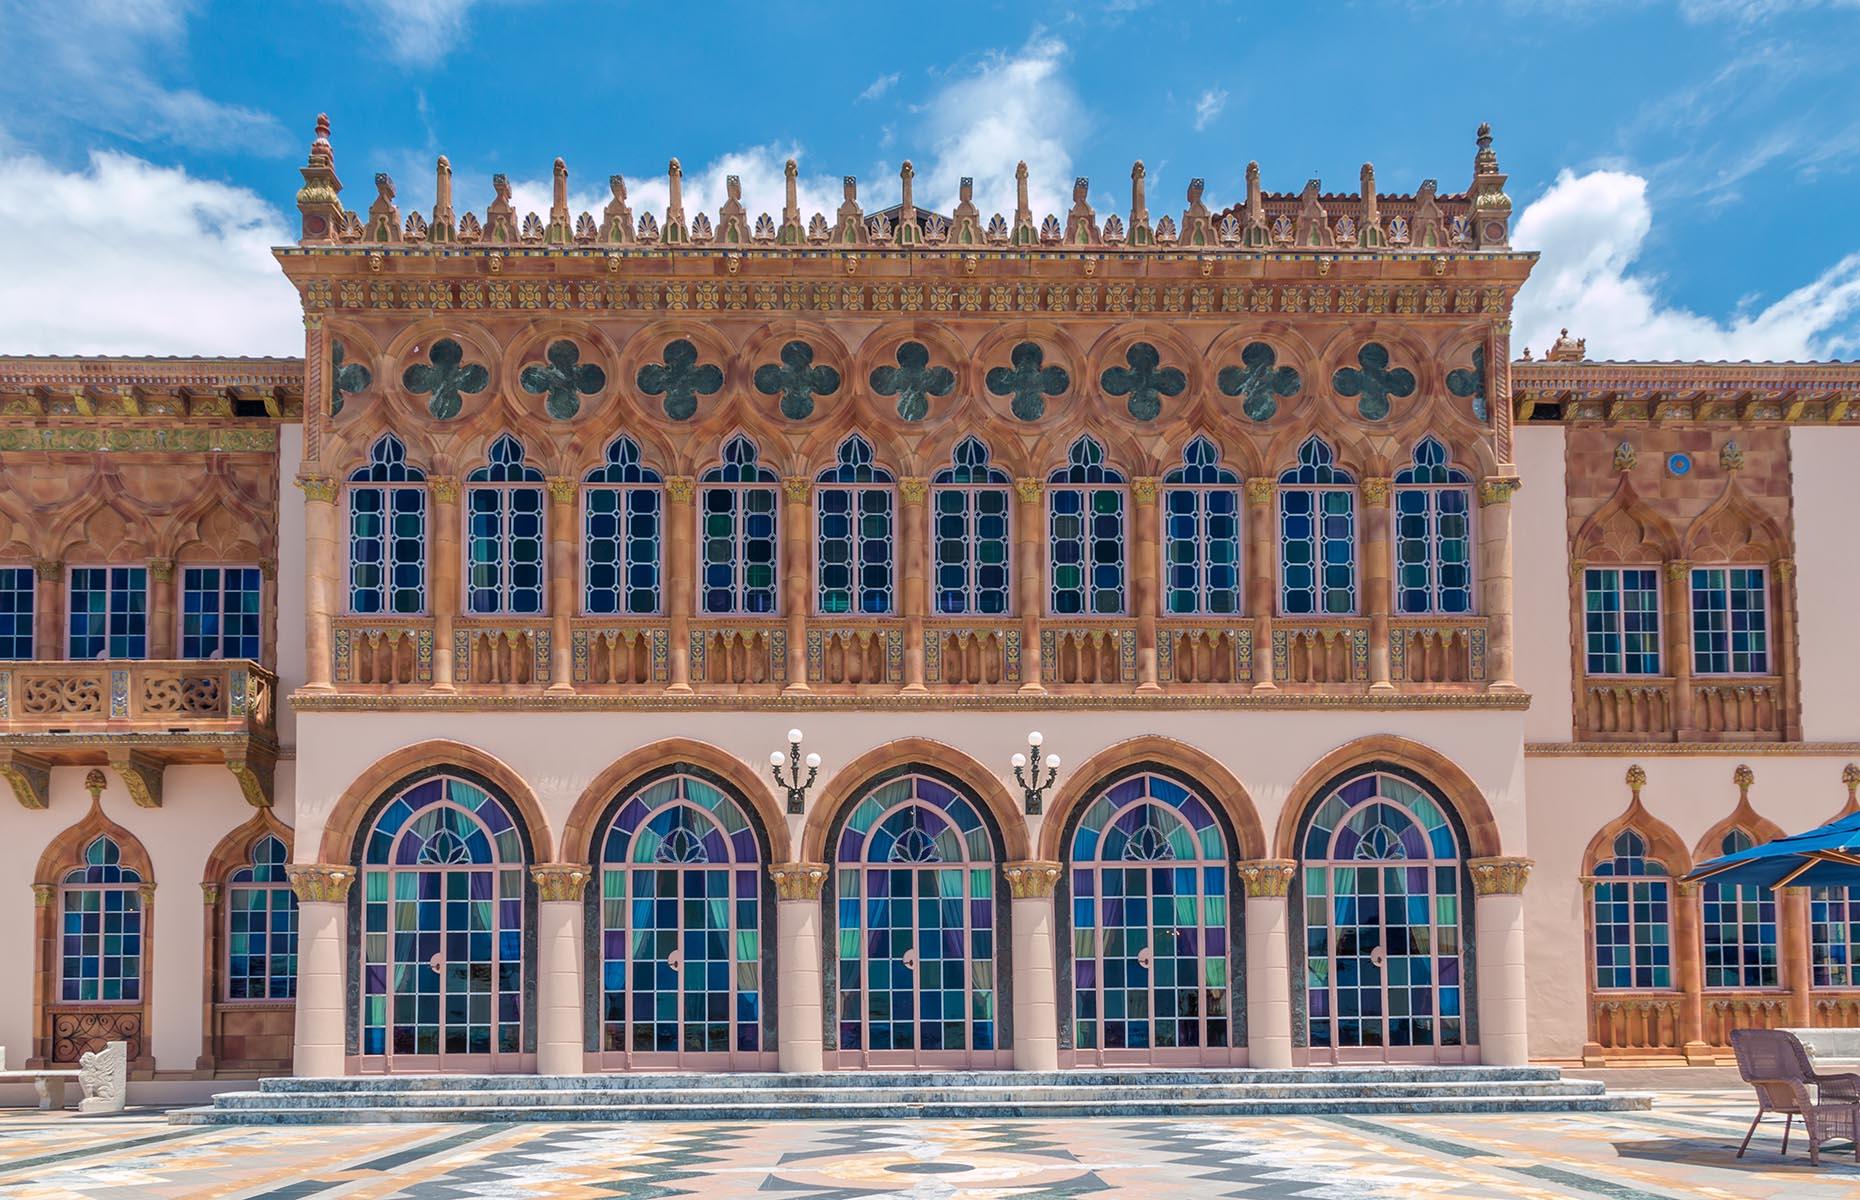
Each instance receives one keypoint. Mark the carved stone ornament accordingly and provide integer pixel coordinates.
(1375, 490)
(797, 488)
(103, 1076)
(318, 488)
(1259, 491)
(1499, 876)
(1029, 490)
(1625, 458)
(680, 488)
(563, 489)
(1143, 489)
(913, 490)
(1497, 491)
(161, 570)
(1267, 878)
(320, 882)
(444, 488)
(1036, 879)
(559, 881)
(798, 881)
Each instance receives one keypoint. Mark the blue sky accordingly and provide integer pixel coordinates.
(1688, 168)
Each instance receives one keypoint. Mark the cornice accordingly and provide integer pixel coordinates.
(57, 372)
(305, 701)
(1685, 392)
(1687, 749)
(117, 438)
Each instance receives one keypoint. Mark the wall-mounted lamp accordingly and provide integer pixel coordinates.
(1034, 793)
(791, 759)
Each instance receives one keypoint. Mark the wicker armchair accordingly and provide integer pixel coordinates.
(1774, 1063)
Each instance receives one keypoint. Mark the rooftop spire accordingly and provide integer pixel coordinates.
(560, 232)
(1024, 234)
(1491, 215)
(790, 234)
(445, 224)
(319, 200)
(675, 230)
(1140, 232)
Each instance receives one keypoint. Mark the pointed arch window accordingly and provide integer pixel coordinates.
(1740, 928)
(1730, 621)
(387, 532)
(1317, 535)
(1085, 534)
(854, 502)
(1433, 534)
(973, 537)
(740, 546)
(1632, 911)
(100, 935)
(504, 533)
(1834, 937)
(622, 505)
(261, 926)
(1201, 534)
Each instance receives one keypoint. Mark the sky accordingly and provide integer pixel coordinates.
(1688, 168)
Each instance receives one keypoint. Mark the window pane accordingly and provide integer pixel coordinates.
(108, 612)
(18, 598)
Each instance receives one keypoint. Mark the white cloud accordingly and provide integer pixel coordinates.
(879, 86)
(1209, 106)
(419, 32)
(1751, 11)
(1009, 107)
(1591, 229)
(125, 257)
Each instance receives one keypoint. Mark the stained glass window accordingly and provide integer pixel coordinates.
(1201, 534)
(109, 612)
(101, 928)
(854, 529)
(1633, 913)
(1740, 929)
(442, 924)
(973, 535)
(387, 532)
(1433, 534)
(739, 506)
(220, 612)
(18, 604)
(681, 923)
(1149, 920)
(261, 926)
(1317, 535)
(1834, 937)
(915, 916)
(1383, 950)
(504, 538)
(1621, 620)
(1085, 530)
(1730, 621)
(621, 533)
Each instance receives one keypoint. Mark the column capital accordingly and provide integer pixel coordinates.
(1266, 877)
(562, 488)
(327, 883)
(1497, 490)
(1375, 489)
(210, 893)
(444, 488)
(161, 570)
(320, 488)
(1785, 569)
(43, 894)
(913, 489)
(49, 568)
(798, 488)
(1676, 570)
(1033, 879)
(798, 881)
(680, 488)
(1143, 489)
(1501, 876)
(1259, 490)
(1029, 490)
(559, 881)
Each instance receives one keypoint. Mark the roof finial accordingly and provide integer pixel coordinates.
(1081, 223)
(675, 230)
(561, 232)
(444, 227)
(851, 227)
(1024, 234)
(617, 217)
(319, 200)
(1370, 237)
(907, 233)
(790, 233)
(1636, 780)
(1256, 233)
(1141, 232)
(1491, 206)
(1743, 777)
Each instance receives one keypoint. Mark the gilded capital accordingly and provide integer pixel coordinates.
(680, 488)
(319, 488)
(1499, 876)
(1375, 491)
(1676, 570)
(798, 488)
(1029, 490)
(1030, 880)
(562, 489)
(49, 568)
(1143, 489)
(1259, 491)
(798, 881)
(1785, 569)
(559, 881)
(444, 488)
(210, 892)
(1497, 491)
(1267, 877)
(43, 894)
(326, 883)
(161, 570)
(913, 490)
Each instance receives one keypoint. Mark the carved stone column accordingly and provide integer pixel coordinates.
(321, 1045)
(48, 627)
(564, 537)
(679, 568)
(798, 1030)
(212, 943)
(1030, 576)
(1376, 586)
(1498, 918)
(1785, 657)
(1688, 951)
(1261, 558)
(1146, 585)
(162, 621)
(1036, 978)
(1495, 582)
(443, 573)
(559, 1037)
(797, 542)
(323, 563)
(913, 548)
(1268, 962)
(1676, 615)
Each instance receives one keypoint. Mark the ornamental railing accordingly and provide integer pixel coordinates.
(383, 651)
(1437, 650)
(122, 695)
(1320, 650)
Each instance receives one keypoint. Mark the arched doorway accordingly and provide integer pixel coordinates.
(1152, 946)
(918, 966)
(1386, 919)
(681, 930)
(442, 926)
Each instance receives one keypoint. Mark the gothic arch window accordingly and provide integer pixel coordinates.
(855, 531)
(1631, 911)
(101, 946)
(740, 547)
(1739, 925)
(1085, 534)
(387, 532)
(504, 536)
(973, 535)
(1433, 534)
(1317, 535)
(622, 504)
(1201, 535)
(261, 926)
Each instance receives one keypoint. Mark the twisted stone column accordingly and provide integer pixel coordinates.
(321, 1045)
(323, 563)
(559, 1024)
(1268, 962)
(1498, 918)
(1036, 980)
(799, 1041)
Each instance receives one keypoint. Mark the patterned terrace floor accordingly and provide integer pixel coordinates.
(1683, 1148)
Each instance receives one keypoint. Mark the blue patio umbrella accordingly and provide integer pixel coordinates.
(1824, 857)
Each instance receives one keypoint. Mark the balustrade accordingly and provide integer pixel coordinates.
(840, 652)
(1204, 653)
(1745, 707)
(1629, 1025)
(1839, 1011)
(1628, 708)
(1320, 652)
(1743, 1010)
(383, 653)
(620, 655)
(501, 652)
(1437, 650)
(1089, 654)
(739, 652)
(231, 695)
(972, 654)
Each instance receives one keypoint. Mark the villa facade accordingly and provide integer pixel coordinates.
(410, 706)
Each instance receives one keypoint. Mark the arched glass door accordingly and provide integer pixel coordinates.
(442, 933)
(916, 913)
(681, 925)
(1383, 930)
(1150, 981)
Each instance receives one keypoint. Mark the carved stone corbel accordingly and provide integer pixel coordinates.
(30, 775)
(141, 775)
(255, 767)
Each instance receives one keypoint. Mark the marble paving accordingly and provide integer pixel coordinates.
(1683, 1148)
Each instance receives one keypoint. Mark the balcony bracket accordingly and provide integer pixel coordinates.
(141, 775)
(30, 775)
(255, 767)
